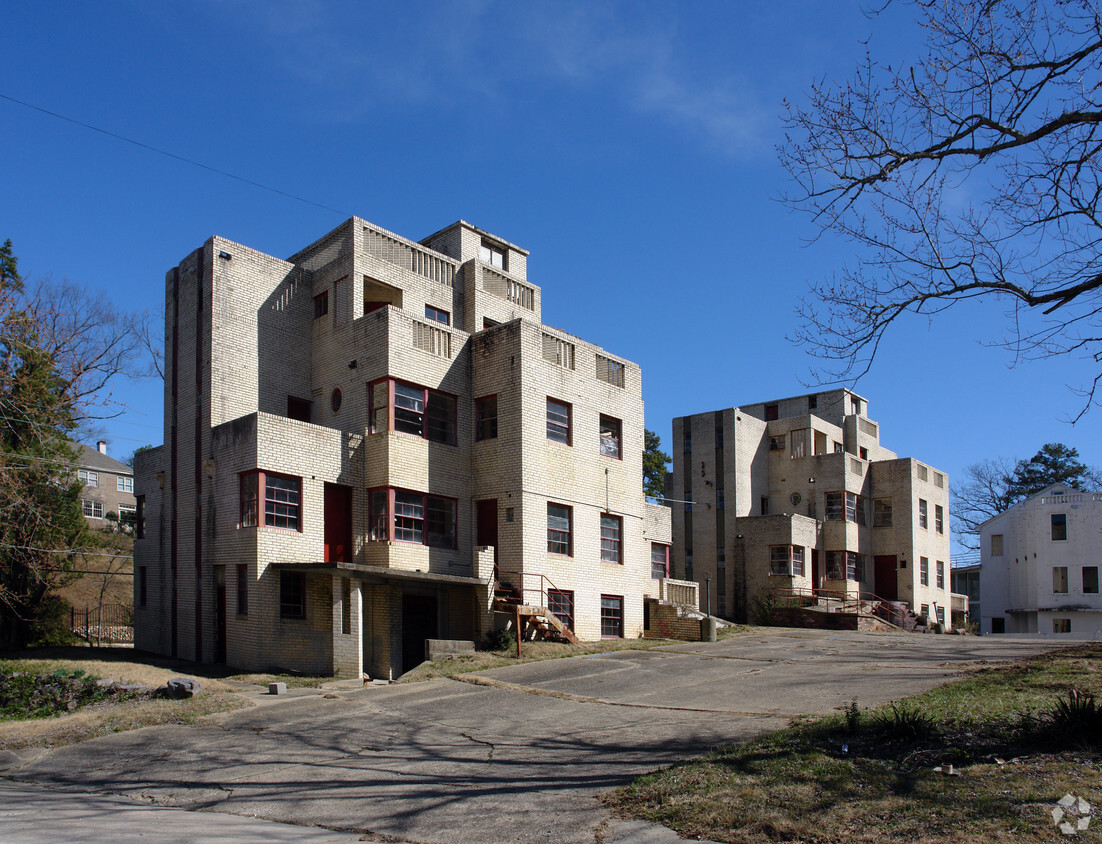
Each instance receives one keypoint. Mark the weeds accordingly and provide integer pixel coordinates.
(906, 722)
(853, 717)
(1077, 717)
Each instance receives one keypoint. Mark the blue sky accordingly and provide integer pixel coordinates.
(629, 146)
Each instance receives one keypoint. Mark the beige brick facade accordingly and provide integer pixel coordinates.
(353, 435)
(799, 493)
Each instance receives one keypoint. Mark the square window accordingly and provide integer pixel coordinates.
(281, 501)
(777, 443)
(90, 478)
(1060, 579)
(124, 484)
(558, 421)
(1059, 526)
(321, 304)
(610, 430)
(924, 571)
(561, 604)
(559, 518)
(1061, 625)
(660, 560)
(292, 594)
(611, 534)
(923, 520)
(436, 315)
(612, 617)
(492, 254)
(485, 414)
(1090, 580)
(409, 517)
(939, 518)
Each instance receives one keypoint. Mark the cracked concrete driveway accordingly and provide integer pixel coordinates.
(514, 754)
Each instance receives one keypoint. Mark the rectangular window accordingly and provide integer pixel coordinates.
(558, 421)
(800, 439)
(321, 304)
(612, 617)
(863, 453)
(436, 315)
(139, 518)
(93, 509)
(611, 433)
(128, 516)
(780, 562)
(772, 412)
(996, 545)
(411, 409)
(561, 604)
(281, 496)
(1059, 526)
(1090, 580)
(940, 615)
(845, 506)
(777, 443)
(660, 561)
(939, 518)
(940, 569)
(559, 518)
(124, 484)
(923, 520)
(688, 442)
(611, 532)
(485, 414)
(924, 571)
(90, 478)
(881, 512)
(1061, 625)
(492, 254)
(292, 594)
(417, 517)
(764, 505)
(843, 565)
(798, 560)
(143, 585)
(923, 472)
(720, 499)
(1060, 579)
(243, 590)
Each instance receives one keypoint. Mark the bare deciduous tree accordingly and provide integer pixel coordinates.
(973, 174)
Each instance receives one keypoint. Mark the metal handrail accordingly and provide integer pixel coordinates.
(881, 607)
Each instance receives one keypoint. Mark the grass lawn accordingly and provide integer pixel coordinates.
(870, 776)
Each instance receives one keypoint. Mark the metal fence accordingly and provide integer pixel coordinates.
(106, 624)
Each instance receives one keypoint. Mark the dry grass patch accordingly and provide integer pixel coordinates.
(870, 776)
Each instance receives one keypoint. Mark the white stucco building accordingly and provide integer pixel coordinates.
(1039, 565)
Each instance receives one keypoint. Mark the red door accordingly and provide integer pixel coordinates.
(886, 583)
(338, 523)
(486, 524)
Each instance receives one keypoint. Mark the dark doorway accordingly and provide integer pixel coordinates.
(338, 523)
(418, 624)
(486, 524)
(220, 614)
(887, 583)
(815, 582)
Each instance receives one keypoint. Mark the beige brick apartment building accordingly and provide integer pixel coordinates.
(798, 493)
(358, 438)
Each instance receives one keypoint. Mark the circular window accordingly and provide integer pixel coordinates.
(335, 400)
(795, 498)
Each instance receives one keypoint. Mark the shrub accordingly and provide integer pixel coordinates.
(1077, 717)
(501, 640)
(905, 723)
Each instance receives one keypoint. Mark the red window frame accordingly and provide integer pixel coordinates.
(558, 537)
(557, 430)
(612, 445)
(664, 562)
(485, 418)
(423, 412)
(561, 604)
(282, 504)
(417, 518)
(439, 315)
(612, 616)
(612, 539)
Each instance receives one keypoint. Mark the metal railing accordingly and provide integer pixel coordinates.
(111, 623)
(837, 601)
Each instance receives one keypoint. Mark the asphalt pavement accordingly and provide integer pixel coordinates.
(518, 754)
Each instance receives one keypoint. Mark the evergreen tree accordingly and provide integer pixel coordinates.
(655, 462)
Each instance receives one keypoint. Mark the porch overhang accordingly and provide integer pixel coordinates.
(381, 574)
